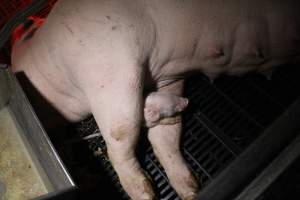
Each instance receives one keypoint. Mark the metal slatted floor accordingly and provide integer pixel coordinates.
(221, 121)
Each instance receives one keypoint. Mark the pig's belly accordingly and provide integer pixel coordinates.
(232, 38)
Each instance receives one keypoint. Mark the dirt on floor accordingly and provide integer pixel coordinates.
(18, 174)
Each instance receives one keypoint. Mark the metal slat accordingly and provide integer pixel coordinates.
(217, 128)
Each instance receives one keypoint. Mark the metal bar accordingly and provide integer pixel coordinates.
(272, 172)
(197, 163)
(4, 86)
(240, 172)
(239, 108)
(218, 134)
(66, 194)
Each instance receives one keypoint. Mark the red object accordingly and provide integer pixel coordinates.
(21, 29)
(8, 8)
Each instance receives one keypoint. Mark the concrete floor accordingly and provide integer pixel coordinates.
(17, 171)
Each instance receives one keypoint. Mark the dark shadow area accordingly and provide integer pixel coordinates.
(287, 186)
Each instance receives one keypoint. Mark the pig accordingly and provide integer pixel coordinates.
(99, 56)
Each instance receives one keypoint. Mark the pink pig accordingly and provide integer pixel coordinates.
(98, 56)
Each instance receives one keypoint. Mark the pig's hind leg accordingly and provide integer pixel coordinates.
(118, 115)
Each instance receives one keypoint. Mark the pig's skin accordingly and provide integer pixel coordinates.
(162, 107)
(92, 57)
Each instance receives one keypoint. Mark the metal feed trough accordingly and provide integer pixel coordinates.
(30, 168)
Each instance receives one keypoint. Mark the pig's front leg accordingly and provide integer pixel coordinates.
(165, 140)
(117, 107)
